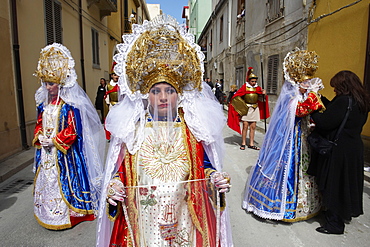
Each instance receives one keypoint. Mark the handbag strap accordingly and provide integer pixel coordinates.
(349, 108)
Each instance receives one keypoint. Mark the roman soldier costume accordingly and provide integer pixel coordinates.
(245, 98)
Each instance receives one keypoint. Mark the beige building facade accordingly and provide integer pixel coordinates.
(129, 12)
(252, 33)
(90, 29)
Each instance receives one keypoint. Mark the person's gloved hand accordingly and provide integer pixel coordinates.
(115, 192)
(41, 138)
(316, 85)
(221, 180)
(45, 142)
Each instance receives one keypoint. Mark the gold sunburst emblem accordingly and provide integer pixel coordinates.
(164, 156)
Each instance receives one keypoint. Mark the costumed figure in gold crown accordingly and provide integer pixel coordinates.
(249, 106)
(68, 137)
(164, 184)
(278, 186)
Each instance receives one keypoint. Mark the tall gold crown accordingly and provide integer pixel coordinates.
(300, 65)
(163, 55)
(53, 66)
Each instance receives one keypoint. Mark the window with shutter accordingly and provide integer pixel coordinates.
(240, 76)
(221, 28)
(95, 47)
(275, 9)
(272, 74)
(58, 22)
(53, 21)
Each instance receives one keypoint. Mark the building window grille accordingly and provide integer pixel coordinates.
(53, 21)
(272, 74)
(275, 9)
(95, 47)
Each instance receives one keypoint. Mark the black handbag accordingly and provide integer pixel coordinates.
(321, 144)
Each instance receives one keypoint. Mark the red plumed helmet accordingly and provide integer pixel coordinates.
(250, 74)
(113, 64)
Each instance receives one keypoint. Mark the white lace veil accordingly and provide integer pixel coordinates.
(202, 112)
(92, 130)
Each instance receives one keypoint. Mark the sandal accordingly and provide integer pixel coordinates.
(253, 147)
(242, 147)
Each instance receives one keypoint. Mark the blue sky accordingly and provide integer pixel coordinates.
(171, 7)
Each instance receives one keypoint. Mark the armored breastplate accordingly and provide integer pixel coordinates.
(113, 96)
(250, 98)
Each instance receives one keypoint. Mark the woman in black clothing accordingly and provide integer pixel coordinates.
(340, 176)
(99, 100)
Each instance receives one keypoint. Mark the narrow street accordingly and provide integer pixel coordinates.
(19, 228)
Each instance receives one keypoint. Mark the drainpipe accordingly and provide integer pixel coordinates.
(82, 47)
(18, 76)
(229, 26)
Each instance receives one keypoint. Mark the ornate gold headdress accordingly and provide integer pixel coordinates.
(300, 65)
(161, 53)
(56, 65)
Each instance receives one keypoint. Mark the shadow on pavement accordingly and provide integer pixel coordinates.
(7, 202)
(233, 140)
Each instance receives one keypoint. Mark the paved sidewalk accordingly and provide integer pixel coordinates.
(16, 163)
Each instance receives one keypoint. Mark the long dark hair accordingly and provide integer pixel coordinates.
(346, 82)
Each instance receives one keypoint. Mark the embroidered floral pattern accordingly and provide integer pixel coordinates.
(149, 196)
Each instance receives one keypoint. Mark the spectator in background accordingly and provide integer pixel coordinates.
(99, 100)
(240, 16)
(209, 82)
(233, 89)
(219, 90)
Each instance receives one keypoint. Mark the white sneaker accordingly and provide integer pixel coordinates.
(367, 168)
